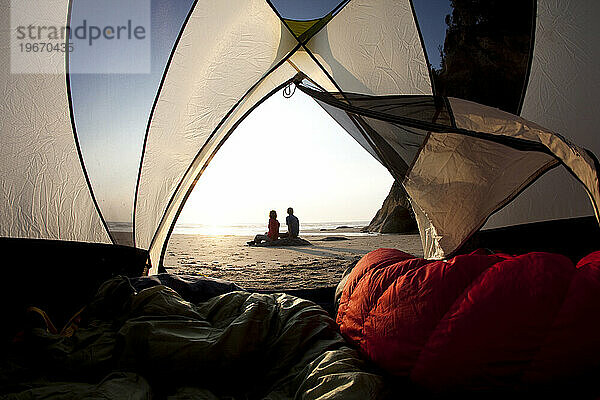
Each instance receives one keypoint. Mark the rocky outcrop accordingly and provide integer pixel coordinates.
(395, 215)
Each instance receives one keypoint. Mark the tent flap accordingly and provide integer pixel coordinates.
(459, 161)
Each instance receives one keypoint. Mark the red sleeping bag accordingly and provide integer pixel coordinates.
(476, 321)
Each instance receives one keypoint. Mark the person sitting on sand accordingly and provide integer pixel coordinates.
(292, 223)
(273, 232)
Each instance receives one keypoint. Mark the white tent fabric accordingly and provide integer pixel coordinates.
(479, 118)
(43, 190)
(562, 95)
(483, 176)
(373, 47)
(449, 168)
(302, 61)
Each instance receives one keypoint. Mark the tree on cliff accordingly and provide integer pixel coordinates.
(486, 52)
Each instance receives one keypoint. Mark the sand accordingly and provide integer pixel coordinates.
(319, 265)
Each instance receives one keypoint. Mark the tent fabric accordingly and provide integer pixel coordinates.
(476, 322)
(458, 181)
(305, 63)
(373, 47)
(483, 175)
(236, 344)
(304, 30)
(44, 193)
(475, 117)
(564, 83)
(459, 161)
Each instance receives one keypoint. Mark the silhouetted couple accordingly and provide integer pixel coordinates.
(291, 221)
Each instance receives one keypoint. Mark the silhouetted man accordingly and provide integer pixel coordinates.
(292, 223)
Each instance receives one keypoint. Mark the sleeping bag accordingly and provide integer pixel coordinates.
(478, 321)
(152, 343)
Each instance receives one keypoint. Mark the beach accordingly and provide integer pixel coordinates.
(319, 265)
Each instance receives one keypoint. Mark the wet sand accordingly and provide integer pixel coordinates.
(319, 265)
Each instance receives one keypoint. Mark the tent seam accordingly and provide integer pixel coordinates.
(429, 67)
(530, 58)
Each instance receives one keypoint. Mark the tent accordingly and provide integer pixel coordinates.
(364, 63)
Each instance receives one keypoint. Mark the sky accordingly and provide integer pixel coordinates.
(431, 15)
(111, 111)
(288, 152)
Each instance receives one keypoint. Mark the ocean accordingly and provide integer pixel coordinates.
(250, 229)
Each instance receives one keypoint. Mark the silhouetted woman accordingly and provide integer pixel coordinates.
(273, 232)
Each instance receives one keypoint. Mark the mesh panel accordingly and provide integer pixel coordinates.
(427, 109)
(404, 141)
(410, 110)
(374, 122)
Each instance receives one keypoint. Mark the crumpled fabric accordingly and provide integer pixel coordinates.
(236, 345)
